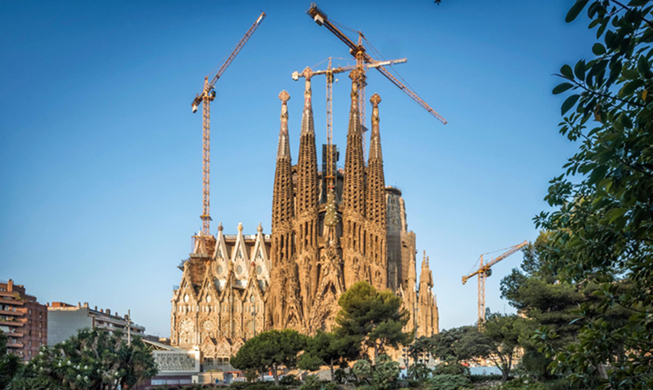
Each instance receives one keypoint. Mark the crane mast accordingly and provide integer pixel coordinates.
(483, 271)
(205, 98)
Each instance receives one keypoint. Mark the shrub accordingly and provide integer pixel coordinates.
(311, 382)
(385, 374)
(290, 380)
(449, 382)
(451, 369)
(362, 369)
(523, 384)
(485, 378)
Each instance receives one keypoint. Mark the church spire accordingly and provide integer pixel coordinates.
(354, 180)
(375, 138)
(282, 207)
(375, 202)
(307, 197)
(283, 151)
(307, 186)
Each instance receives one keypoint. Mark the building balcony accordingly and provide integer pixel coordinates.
(13, 302)
(10, 323)
(15, 345)
(15, 335)
(11, 313)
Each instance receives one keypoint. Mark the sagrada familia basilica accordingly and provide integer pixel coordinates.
(330, 229)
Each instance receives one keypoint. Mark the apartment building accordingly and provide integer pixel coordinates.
(23, 319)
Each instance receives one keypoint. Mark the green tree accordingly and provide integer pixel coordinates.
(503, 333)
(456, 345)
(385, 375)
(269, 351)
(327, 349)
(601, 225)
(9, 363)
(92, 359)
(375, 317)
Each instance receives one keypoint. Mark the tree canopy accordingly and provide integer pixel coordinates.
(270, 350)
(92, 359)
(328, 349)
(601, 225)
(375, 317)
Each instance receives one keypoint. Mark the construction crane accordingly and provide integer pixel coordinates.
(358, 51)
(308, 73)
(483, 271)
(205, 98)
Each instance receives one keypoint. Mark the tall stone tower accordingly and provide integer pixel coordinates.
(374, 244)
(328, 235)
(306, 222)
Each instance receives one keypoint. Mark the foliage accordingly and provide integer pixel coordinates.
(9, 363)
(503, 333)
(523, 384)
(373, 317)
(311, 382)
(420, 348)
(419, 372)
(341, 376)
(328, 349)
(385, 375)
(451, 367)
(601, 224)
(255, 386)
(92, 359)
(362, 369)
(251, 376)
(485, 378)
(458, 344)
(449, 382)
(289, 380)
(270, 350)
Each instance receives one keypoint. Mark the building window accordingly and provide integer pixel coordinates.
(30, 311)
(29, 343)
(29, 353)
(40, 315)
(39, 324)
(40, 334)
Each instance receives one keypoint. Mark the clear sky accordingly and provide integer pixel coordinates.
(100, 155)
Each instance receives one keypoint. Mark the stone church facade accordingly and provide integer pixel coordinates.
(326, 235)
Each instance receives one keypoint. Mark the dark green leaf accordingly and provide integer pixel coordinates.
(643, 66)
(575, 10)
(569, 103)
(560, 88)
(630, 87)
(598, 49)
(580, 70)
(567, 72)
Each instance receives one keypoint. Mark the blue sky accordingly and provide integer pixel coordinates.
(100, 155)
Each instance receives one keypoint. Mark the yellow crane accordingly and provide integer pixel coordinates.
(308, 73)
(360, 54)
(483, 271)
(205, 98)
